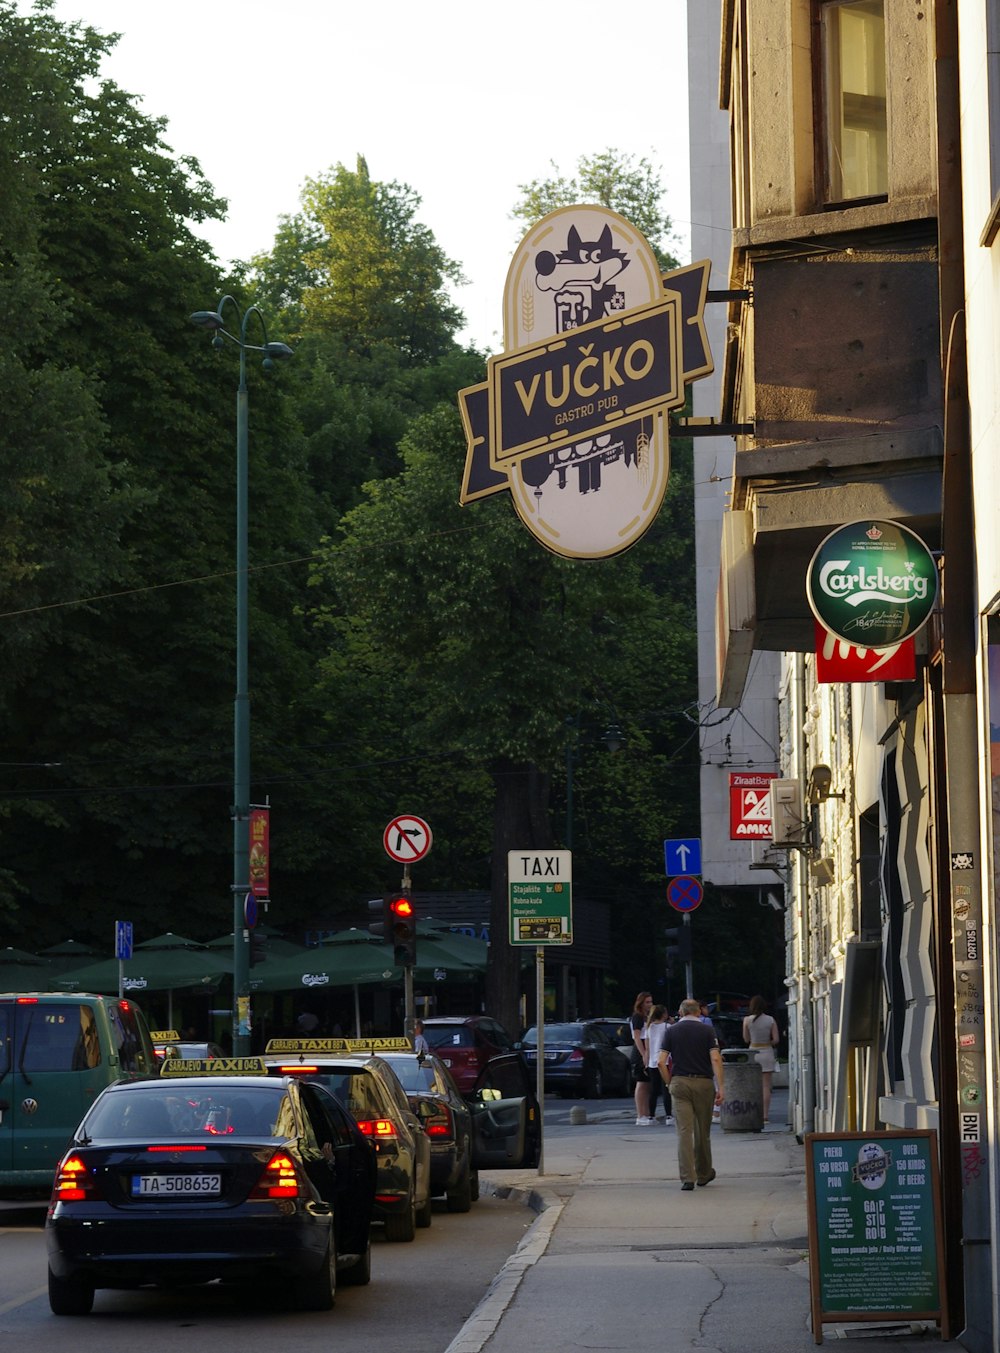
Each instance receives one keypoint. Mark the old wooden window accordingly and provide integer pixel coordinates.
(852, 55)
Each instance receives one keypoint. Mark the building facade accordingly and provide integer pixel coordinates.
(858, 374)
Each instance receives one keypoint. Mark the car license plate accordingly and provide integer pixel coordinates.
(176, 1185)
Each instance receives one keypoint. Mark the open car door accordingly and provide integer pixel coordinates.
(506, 1120)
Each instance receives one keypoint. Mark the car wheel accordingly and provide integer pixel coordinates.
(70, 1296)
(402, 1225)
(460, 1197)
(318, 1291)
(593, 1084)
(359, 1274)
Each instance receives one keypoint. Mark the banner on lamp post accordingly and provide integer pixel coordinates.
(260, 852)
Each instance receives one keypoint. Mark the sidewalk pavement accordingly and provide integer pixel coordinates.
(621, 1258)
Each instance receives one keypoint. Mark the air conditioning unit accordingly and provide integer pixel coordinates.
(788, 823)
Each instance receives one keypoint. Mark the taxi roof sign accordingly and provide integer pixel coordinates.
(213, 1066)
(314, 1045)
(164, 1035)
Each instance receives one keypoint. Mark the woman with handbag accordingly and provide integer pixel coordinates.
(640, 1074)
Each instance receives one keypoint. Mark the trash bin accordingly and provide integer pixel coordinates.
(743, 1100)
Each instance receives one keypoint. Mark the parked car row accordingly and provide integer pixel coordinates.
(271, 1171)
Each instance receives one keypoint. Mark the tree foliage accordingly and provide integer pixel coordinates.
(614, 179)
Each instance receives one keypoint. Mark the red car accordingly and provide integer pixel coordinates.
(465, 1045)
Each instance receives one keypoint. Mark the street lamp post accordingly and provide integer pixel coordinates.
(214, 321)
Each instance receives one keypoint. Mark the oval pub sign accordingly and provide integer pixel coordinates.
(872, 583)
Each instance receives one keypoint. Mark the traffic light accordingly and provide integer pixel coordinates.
(379, 907)
(678, 946)
(401, 916)
(258, 948)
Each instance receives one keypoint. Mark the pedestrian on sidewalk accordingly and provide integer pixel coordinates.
(696, 1085)
(637, 1020)
(656, 1026)
(761, 1032)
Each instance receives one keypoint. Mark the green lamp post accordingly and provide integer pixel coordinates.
(214, 321)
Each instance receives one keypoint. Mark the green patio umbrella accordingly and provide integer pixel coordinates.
(21, 971)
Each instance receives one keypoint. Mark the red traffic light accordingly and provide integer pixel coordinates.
(401, 906)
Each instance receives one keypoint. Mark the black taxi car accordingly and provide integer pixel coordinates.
(504, 1117)
(215, 1171)
(447, 1121)
(366, 1086)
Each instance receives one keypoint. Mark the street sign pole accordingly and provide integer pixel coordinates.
(540, 1049)
(689, 965)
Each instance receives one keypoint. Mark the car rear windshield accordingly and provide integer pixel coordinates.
(449, 1036)
(173, 1110)
(555, 1033)
(358, 1090)
(40, 1037)
(414, 1075)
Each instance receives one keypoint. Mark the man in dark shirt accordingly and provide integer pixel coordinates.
(696, 1086)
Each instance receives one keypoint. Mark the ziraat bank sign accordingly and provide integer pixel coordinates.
(572, 419)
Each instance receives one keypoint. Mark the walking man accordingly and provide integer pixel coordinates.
(696, 1086)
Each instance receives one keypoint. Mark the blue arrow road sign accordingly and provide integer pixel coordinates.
(123, 939)
(683, 856)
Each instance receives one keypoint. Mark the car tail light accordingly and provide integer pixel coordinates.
(177, 1149)
(575, 1056)
(380, 1129)
(73, 1182)
(440, 1126)
(280, 1179)
(297, 1070)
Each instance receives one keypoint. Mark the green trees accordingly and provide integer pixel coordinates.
(611, 178)
(116, 463)
(406, 654)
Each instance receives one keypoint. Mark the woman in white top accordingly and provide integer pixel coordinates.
(656, 1027)
(761, 1032)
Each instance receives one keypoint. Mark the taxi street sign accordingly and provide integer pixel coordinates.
(540, 896)
(684, 894)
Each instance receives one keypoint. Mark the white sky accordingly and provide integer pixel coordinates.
(462, 101)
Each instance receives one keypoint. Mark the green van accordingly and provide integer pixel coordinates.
(57, 1053)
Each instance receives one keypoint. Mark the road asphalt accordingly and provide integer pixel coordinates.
(621, 1258)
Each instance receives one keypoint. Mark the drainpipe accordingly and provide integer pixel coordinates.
(807, 1054)
(960, 906)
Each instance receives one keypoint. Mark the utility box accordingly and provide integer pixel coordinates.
(788, 823)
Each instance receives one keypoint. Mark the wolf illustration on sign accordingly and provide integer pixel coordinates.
(580, 276)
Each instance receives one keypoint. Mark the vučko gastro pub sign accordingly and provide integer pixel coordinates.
(598, 347)
(873, 583)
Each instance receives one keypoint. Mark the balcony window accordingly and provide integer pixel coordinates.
(853, 54)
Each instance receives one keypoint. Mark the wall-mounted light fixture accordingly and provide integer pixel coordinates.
(819, 787)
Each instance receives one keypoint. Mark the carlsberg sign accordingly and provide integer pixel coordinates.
(872, 583)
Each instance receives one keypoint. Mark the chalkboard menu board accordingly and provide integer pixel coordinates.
(874, 1227)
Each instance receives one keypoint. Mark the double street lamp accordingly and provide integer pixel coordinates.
(214, 320)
